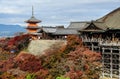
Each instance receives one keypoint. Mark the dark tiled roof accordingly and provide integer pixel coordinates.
(66, 32)
(33, 20)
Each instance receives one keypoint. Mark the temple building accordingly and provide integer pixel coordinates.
(103, 36)
(58, 32)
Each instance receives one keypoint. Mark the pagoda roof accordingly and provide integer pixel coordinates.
(33, 20)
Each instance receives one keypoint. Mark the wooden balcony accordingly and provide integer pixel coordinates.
(103, 42)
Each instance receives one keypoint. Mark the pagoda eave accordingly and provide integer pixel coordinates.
(33, 21)
(32, 28)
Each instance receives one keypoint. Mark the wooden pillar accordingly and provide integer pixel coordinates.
(92, 47)
(119, 64)
(113, 37)
(103, 51)
(111, 68)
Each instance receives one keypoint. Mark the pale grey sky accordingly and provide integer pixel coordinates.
(54, 12)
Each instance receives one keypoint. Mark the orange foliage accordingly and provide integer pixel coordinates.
(73, 41)
(41, 74)
(14, 74)
(6, 65)
(25, 62)
(74, 74)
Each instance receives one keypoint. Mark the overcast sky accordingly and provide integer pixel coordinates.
(54, 12)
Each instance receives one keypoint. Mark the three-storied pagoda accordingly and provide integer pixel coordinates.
(32, 24)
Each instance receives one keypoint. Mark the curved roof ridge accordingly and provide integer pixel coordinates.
(107, 15)
(80, 21)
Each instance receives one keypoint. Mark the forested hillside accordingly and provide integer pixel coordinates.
(70, 61)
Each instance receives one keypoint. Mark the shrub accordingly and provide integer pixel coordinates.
(62, 77)
(72, 42)
(42, 74)
(16, 43)
(28, 62)
(75, 61)
(30, 76)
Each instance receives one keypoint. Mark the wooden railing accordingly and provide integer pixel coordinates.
(103, 42)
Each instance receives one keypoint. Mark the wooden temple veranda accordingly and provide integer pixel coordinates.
(103, 36)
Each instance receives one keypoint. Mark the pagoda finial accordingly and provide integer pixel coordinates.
(32, 11)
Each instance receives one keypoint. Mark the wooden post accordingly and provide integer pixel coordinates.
(111, 69)
(92, 47)
(119, 64)
(103, 51)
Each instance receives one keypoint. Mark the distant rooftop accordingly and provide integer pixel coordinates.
(66, 31)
